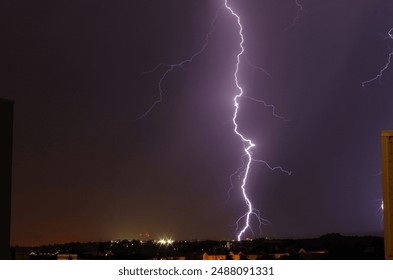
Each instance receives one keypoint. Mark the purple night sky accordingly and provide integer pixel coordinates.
(84, 171)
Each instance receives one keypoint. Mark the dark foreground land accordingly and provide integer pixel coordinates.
(327, 247)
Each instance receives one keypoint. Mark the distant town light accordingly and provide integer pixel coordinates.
(165, 242)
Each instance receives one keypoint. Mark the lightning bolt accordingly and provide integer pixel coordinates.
(242, 172)
(271, 106)
(171, 67)
(248, 144)
(265, 104)
(380, 74)
(258, 68)
(300, 9)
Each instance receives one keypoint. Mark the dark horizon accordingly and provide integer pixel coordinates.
(288, 237)
(326, 247)
(84, 170)
(375, 234)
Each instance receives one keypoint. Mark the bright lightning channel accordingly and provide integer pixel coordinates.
(243, 171)
(248, 144)
(380, 74)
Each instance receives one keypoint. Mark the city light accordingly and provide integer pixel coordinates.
(165, 242)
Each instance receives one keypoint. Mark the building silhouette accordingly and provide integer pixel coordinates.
(6, 124)
(387, 190)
